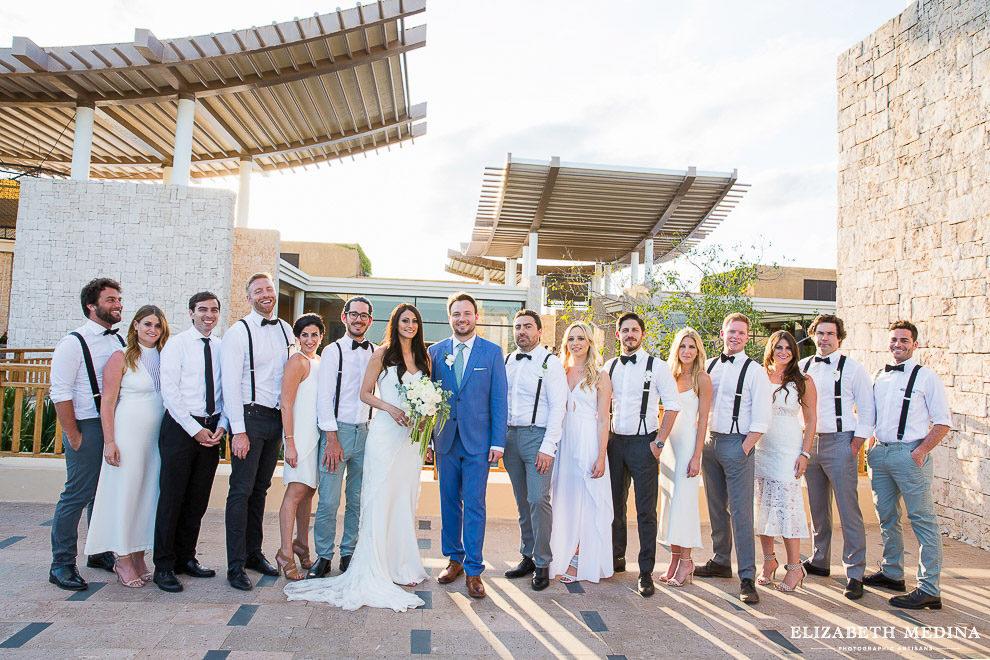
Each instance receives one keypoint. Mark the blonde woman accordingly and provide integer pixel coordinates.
(581, 537)
(680, 518)
(131, 411)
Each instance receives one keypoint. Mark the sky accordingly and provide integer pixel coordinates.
(720, 85)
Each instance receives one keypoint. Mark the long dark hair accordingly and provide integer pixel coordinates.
(393, 348)
(792, 373)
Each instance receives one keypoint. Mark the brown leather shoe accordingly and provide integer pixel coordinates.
(475, 587)
(451, 573)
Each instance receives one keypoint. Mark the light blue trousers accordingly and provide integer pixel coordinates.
(531, 490)
(351, 438)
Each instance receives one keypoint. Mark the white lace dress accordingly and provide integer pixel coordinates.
(779, 500)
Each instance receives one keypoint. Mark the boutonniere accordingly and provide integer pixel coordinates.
(449, 359)
(648, 377)
(836, 375)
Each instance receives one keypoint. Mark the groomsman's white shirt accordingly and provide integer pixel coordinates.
(929, 404)
(627, 393)
(68, 371)
(468, 345)
(754, 410)
(523, 376)
(858, 411)
(351, 409)
(183, 369)
(270, 354)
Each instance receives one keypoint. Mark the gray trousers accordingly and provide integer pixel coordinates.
(833, 472)
(82, 473)
(352, 439)
(532, 491)
(729, 477)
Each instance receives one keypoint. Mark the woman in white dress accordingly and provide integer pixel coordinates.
(781, 459)
(581, 536)
(387, 553)
(301, 435)
(131, 410)
(680, 465)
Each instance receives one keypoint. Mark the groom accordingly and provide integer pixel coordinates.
(473, 370)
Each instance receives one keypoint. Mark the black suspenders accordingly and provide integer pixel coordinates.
(908, 391)
(247, 329)
(340, 375)
(647, 380)
(94, 385)
(737, 402)
(838, 390)
(539, 385)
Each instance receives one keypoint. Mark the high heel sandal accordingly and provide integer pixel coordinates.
(302, 552)
(664, 578)
(763, 579)
(781, 586)
(136, 583)
(674, 582)
(288, 566)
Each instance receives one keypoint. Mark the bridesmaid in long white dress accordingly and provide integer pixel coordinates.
(131, 412)
(680, 464)
(387, 552)
(300, 437)
(781, 458)
(581, 536)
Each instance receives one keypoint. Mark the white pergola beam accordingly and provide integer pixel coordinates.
(182, 151)
(82, 142)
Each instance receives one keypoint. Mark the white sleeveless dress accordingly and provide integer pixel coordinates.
(305, 430)
(123, 518)
(680, 517)
(582, 506)
(779, 500)
(387, 553)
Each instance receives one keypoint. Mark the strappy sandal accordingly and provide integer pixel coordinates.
(288, 567)
(674, 582)
(136, 583)
(781, 586)
(763, 579)
(664, 578)
(568, 579)
(302, 552)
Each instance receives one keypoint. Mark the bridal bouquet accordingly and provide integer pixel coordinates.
(425, 402)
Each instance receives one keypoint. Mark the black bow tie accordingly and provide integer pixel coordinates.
(520, 356)
(727, 358)
(893, 367)
(360, 344)
(627, 358)
(823, 359)
(265, 322)
(110, 331)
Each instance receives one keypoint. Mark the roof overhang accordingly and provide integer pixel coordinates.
(475, 267)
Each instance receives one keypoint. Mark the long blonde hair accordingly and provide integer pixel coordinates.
(133, 351)
(592, 361)
(697, 367)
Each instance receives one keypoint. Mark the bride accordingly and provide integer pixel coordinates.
(387, 553)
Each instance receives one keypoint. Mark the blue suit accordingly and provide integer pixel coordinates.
(479, 412)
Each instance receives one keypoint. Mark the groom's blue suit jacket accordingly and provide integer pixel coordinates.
(479, 408)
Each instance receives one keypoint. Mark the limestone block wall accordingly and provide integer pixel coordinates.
(914, 220)
(163, 243)
(255, 251)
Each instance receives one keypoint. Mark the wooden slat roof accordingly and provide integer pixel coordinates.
(475, 267)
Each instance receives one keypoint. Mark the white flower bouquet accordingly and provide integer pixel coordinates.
(425, 403)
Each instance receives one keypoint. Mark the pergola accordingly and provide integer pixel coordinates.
(292, 94)
(491, 271)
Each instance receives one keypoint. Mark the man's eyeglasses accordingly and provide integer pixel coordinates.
(354, 316)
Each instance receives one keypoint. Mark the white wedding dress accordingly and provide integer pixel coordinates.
(387, 552)
(779, 500)
(680, 515)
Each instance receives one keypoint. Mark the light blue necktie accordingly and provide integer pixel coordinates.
(459, 364)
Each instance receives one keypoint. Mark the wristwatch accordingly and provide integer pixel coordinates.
(806, 455)
(659, 443)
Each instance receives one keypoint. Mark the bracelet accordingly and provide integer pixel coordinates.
(806, 455)
(289, 437)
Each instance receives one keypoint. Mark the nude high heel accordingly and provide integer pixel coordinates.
(674, 582)
(763, 579)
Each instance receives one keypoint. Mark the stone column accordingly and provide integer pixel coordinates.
(182, 150)
(244, 192)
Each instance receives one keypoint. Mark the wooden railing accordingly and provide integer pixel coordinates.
(28, 424)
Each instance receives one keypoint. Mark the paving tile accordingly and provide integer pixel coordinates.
(24, 635)
(186, 636)
(94, 587)
(424, 544)
(419, 643)
(243, 615)
(9, 541)
(257, 638)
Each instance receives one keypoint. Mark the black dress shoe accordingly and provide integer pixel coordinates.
(167, 581)
(104, 560)
(320, 569)
(522, 569)
(238, 579)
(645, 586)
(879, 579)
(854, 589)
(541, 578)
(814, 570)
(192, 568)
(713, 569)
(260, 564)
(345, 561)
(917, 600)
(619, 565)
(747, 591)
(68, 578)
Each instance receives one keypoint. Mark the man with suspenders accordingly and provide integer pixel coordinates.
(640, 382)
(343, 420)
(740, 416)
(845, 420)
(252, 358)
(537, 400)
(912, 418)
(76, 383)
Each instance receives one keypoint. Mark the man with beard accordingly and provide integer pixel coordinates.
(76, 383)
(343, 420)
(640, 383)
(253, 355)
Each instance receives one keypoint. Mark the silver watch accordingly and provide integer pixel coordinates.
(659, 443)
(806, 455)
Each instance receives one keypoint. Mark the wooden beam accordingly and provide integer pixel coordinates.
(682, 191)
(548, 184)
(27, 52)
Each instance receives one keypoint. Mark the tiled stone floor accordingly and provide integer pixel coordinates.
(607, 620)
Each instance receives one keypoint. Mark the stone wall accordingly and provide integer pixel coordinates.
(325, 259)
(914, 219)
(255, 251)
(163, 243)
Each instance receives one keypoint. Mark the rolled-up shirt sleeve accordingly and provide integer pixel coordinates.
(760, 398)
(556, 384)
(938, 402)
(866, 407)
(326, 388)
(232, 349)
(666, 387)
(65, 367)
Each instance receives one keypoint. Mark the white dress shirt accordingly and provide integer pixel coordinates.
(627, 393)
(351, 409)
(69, 380)
(755, 407)
(468, 345)
(183, 369)
(928, 406)
(270, 354)
(858, 411)
(523, 376)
